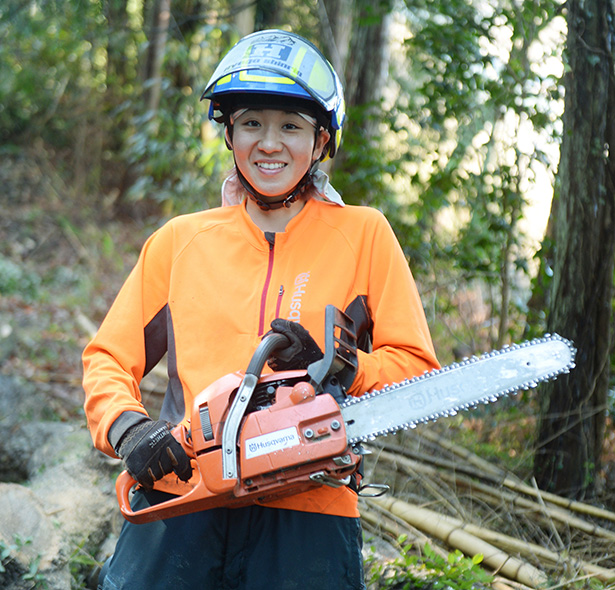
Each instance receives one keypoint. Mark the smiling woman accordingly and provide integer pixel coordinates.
(275, 70)
(274, 150)
(205, 291)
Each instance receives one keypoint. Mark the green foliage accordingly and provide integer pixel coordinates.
(81, 563)
(467, 102)
(429, 570)
(363, 168)
(5, 554)
(175, 155)
(449, 166)
(51, 74)
(170, 164)
(32, 575)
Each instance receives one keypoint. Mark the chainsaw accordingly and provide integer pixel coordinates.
(256, 438)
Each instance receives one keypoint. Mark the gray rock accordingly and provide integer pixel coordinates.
(54, 522)
(28, 532)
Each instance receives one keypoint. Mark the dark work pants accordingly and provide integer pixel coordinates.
(251, 548)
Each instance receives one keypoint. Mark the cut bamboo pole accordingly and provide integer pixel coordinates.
(381, 519)
(440, 527)
(555, 512)
(379, 516)
(506, 479)
(528, 550)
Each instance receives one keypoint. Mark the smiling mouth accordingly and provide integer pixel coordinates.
(271, 165)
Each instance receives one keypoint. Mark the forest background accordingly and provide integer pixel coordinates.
(482, 129)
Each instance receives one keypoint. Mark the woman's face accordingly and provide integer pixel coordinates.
(274, 149)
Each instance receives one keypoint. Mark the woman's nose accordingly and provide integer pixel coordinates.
(270, 139)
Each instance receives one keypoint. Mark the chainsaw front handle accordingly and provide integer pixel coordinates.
(230, 432)
(270, 343)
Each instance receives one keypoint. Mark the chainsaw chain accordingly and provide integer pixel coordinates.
(468, 361)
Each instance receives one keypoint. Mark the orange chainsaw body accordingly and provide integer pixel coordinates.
(295, 444)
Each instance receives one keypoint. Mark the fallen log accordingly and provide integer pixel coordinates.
(529, 550)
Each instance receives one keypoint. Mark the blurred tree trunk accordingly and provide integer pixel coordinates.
(156, 16)
(368, 63)
(157, 35)
(115, 13)
(267, 14)
(356, 38)
(571, 429)
(257, 15)
(336, 18)
(243, 16)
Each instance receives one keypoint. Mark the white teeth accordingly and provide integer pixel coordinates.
(271, 165)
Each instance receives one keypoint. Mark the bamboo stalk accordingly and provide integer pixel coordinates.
(506, 479)
(381, 519)
(440, 527)
(554, 512)
(527, 549)
(471, 458)
(396, 526)
(572, 505)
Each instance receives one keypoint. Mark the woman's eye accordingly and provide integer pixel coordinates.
(248, 123)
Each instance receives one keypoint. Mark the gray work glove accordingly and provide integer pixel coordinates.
(302, 350)
(150, 452)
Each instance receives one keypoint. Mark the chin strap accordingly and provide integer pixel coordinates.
(265, 203)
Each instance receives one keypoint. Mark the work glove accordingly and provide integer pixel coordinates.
(302, 350)
(150, 452)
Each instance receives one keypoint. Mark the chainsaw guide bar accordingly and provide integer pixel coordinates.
(456, 387)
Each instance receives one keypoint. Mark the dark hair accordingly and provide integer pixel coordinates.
(229, 103)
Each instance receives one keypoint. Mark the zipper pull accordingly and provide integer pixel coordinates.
(270, 237)
(279, 301)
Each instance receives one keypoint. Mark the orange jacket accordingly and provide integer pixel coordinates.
(206, 287)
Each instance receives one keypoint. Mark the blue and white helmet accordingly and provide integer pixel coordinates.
(279, 69)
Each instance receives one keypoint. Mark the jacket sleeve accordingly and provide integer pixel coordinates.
(401, 343)
(118, 356)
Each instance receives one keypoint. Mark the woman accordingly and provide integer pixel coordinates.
(205, 290)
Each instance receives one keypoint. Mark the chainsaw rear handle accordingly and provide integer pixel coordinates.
(340, 355)
(125, 483)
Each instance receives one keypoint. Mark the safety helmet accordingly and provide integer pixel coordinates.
(280, 69)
